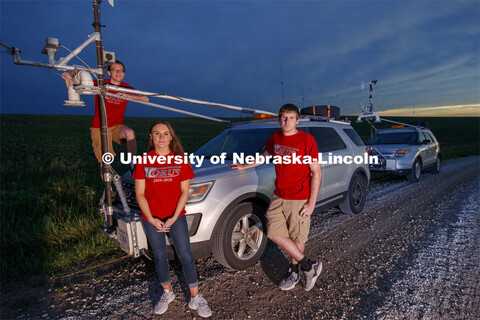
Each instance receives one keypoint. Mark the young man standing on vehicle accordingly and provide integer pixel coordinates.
(115, 110)
(294, 198)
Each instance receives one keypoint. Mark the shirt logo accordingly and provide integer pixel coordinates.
(284, 151)
(167, 172)
(114, 100)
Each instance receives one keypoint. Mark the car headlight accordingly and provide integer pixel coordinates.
(198, 191)
(402, 153)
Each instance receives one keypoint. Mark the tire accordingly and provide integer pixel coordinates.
(437, 166)
(414, 175)
(357, 194)
(242, 237)
(148, 253)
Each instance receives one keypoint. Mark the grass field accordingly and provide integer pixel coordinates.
(50, 183)
(50, 187)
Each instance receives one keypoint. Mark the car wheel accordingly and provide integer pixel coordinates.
(436, 167)
(148, 253)
(357, 194)
(242, 238)
(414, 175)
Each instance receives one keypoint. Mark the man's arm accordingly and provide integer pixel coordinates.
(66, 76)
(315, 180)
(239, 166)
(133, 96)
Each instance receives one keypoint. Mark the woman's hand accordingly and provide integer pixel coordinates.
(158, 224)
(169, 222)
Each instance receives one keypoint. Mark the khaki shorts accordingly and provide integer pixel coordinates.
(284, 219)
(113, 134)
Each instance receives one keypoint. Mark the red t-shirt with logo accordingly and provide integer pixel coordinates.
(115, 108)
(162, 185)
(293, 180)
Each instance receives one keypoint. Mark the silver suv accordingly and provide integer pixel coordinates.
(405, 151)
(226, 208)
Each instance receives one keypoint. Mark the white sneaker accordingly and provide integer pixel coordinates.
(162, 304)
(198, 303)
(289, 280)
(312, 275)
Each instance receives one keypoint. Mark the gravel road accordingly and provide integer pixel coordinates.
(413, 253)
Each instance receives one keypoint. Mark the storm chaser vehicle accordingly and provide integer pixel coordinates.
(405, 151)
(226, 208)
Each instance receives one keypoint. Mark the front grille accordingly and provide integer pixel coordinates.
(386, 155)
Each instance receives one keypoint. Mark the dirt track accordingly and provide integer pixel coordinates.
(413, 253)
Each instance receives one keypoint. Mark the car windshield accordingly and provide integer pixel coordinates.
(394, 138)
(247, 142)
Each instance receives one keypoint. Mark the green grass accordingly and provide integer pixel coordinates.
(50, 183)
(50, 188)
(458, 137)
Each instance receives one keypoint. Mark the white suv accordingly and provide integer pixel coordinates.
(405, 151)
(226, 208)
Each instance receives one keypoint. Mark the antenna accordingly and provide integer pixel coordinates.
(303, 97)
(368, 108)
(281, 79)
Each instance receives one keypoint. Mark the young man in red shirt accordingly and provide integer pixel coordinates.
(294, 198)
(115, 109)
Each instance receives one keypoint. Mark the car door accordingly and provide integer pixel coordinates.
(426, 148)
(434, 148)
(335, 176)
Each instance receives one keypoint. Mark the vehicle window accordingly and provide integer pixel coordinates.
(214, 145)
(423, 136)
(429, 136)
(239, 141)
(395, 138)
(327, 139)
(353, 135)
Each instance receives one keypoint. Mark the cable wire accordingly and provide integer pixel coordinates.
(76, 56)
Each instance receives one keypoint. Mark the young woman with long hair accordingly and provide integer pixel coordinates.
(162, 191)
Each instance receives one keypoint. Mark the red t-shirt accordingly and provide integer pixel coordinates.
(293, 180)
(162, 185)
(115, 108)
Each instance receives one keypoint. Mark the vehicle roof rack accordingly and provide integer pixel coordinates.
(314, 118)
(369, 116)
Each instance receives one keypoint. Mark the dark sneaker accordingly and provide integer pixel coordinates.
(199, 304)
(312, 275)
(162, 304)
(289, 280)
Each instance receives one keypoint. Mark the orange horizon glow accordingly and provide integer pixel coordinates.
(467, 110)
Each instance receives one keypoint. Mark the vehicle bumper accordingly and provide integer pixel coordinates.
(392, 166)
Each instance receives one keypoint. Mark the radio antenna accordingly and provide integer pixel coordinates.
(281, 79)
(303, 97)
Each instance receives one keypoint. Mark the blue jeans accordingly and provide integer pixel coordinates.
(181, 241)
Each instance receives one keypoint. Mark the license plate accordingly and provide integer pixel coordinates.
(390, 164)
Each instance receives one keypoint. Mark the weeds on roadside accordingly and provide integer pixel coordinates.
(50, 187)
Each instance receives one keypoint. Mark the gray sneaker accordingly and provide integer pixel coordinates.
(162, 304)
(312, 275)
(289, 280)
(198, 303)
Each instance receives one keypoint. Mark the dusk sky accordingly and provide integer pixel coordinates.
(424, 54)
